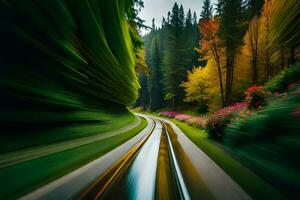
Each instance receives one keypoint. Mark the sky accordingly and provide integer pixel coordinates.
(159, 8)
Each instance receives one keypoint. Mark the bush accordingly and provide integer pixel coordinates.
(255, 96)
(269, 139)
(183, 117)
(275, 123)
(218, 120)
(170, 114)
(198, 122)
(286, 77)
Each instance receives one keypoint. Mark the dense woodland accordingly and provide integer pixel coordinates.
(235, 74)
(209, 62)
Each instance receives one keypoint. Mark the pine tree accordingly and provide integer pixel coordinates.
(219, 7)
(181, 17)
(192, 38)
(207, 10)
(188, 21)
(175, 57)
(232, 30)
(195, 19)
(155, 80)
(168, 17)
(153, 27)
(254, 8)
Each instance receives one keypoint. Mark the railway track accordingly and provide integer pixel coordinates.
(148, 171)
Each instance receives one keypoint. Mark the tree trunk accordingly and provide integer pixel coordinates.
(229, 77)
(282, 59)
(253, 33)
(218, 62)
(292, 56)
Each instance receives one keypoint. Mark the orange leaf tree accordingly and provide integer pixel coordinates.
(211, 45)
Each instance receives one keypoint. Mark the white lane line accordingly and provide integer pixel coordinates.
(183, 189)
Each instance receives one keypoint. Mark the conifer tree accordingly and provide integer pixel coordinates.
(232, 30)
(219, 7)
(195, 20)
(155, 80)
(207, 10)
(175, 57)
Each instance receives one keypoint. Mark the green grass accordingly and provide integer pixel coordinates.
(256, 187)
(101, 122)
(21, 178)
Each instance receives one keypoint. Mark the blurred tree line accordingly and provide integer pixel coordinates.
(238, 43)
(169, 54)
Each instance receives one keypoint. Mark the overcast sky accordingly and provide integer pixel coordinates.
(159, 8)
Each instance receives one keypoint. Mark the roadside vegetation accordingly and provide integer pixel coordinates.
(256, 135)
(23, 177)
(68, 73)
(242, 89)
(55, 81)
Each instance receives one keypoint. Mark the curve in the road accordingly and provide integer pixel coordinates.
(72, 184)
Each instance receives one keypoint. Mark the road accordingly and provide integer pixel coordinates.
(158, 163)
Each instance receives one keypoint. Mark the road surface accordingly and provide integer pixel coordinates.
(158, 163)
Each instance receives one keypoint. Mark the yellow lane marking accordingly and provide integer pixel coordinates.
(114, 172)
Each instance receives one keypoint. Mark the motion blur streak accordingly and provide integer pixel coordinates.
(63, 62)
(67, 71)
(139, 182)
(141, 178)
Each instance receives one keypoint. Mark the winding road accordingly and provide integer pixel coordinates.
(158, 163)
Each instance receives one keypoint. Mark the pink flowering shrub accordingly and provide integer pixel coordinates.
(296, 113)
(183, 117)
(256, 96)
(170, 114)
(198, 122)
(218, 120)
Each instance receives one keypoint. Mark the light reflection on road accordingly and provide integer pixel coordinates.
(142, 174)
(139, 180)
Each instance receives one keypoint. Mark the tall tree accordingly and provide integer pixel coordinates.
(219, 7)
(195, 19)
(189, 20)
(232, 30)
(211, 45)
(191, 38)
(253, 13)
(155, 80)
(207, 10)
(253, 37)
(175, 57)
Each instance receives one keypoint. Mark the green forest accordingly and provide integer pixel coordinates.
(233, 72)
(82, 80)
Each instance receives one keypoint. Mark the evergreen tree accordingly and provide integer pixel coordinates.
(175, 57)
(254, 8)
(192, 38)
(181, 17)
(168, 17)
(163, 23)
(232, 30)
(207, 10)
(144, 96)
(195, 20)
(219, 7)
(155, 80)
(189, 20)
(153, 27)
